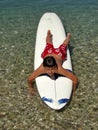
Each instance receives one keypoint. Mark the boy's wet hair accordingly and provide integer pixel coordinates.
(49, 61)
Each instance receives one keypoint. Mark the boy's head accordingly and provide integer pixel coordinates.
(49, 61)
(50, 65)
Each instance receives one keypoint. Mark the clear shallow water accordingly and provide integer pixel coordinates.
(18, 25)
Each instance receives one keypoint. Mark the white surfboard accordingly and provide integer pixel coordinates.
(55, 93)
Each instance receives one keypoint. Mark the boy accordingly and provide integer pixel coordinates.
(52, 62)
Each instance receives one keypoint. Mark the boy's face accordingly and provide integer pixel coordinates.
(51, 70)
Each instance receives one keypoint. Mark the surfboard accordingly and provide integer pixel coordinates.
(55, 93)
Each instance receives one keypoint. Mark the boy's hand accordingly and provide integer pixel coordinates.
(32, 92)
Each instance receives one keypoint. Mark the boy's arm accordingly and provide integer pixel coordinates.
(69, 75)
(32, 77)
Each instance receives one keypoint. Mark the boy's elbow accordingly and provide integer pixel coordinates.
(29, 80)
(75, 80)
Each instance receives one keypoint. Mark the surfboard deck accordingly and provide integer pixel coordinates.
(55, 93)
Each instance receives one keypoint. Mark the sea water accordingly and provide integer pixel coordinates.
(18, 25)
